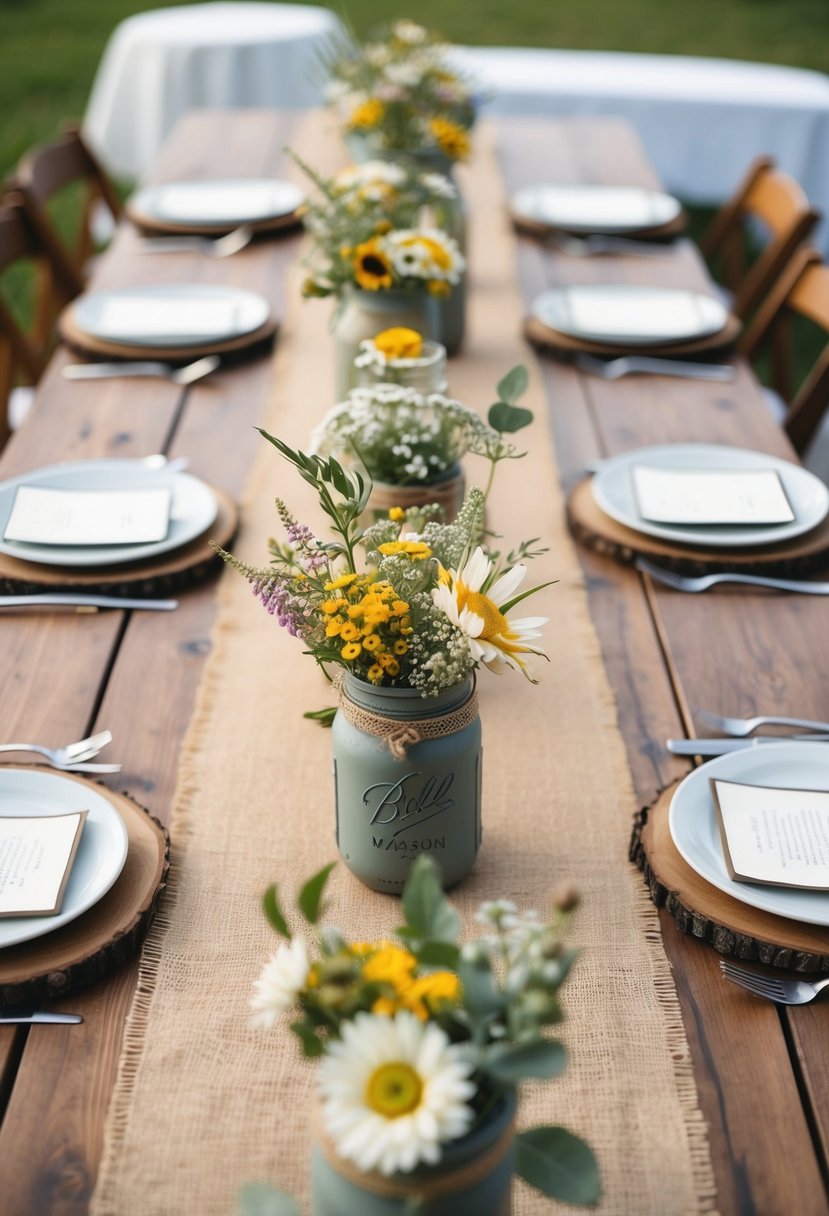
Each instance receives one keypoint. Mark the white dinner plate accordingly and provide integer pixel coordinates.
(613, 491)
(192, 511)
(170, 314)
(696, 834)
(208, 203)
(629, 314)
(101, 853)
(596, 209)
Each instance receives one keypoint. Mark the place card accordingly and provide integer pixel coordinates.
(710, 496)
(778, 837)
(42, 516)
(36, 858)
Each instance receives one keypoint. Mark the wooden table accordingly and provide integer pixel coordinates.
(763, 1074)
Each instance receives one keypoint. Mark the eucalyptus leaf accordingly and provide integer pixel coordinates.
(514, 384)
(559, 1164)
(439, 954)
(481, 995)
(510, 1063)
(262, 1199)
(427, 910)
(310, 897)
(507, 419)
(270, 904)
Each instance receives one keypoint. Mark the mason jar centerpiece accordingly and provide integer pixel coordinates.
(402, 356)
(403, 613)
(373, 252)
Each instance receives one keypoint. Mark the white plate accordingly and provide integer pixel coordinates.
(596, 209)
(101, 853)
(170, 314)
(628, 314)
(695, 832)
(613, 490)
(193, 510)
(233, 202)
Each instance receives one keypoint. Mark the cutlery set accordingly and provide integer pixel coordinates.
(167, 371)
(627, 365)
(680, 582)
(73, 757)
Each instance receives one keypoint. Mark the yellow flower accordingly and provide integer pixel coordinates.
(372, 267)
(390, 965)
(396, 513)
(437, 287)
(349, 632)
(399, 606)
(350, 651)
(329, 607)
(415, 549)
(368, 114)
(375, 673)
(450, 138)
(382, 227)
(371, 642)
(334, 627)
(346, 251)
(344, 580)
(429, 991)
(384, 1007)
(399, 343)
(399, 647)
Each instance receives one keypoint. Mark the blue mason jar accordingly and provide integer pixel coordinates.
(407, 777)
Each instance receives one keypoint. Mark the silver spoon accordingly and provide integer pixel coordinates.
(179, 375)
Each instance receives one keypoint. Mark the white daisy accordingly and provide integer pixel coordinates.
(473, 599)
(426, 252)
(369, 173)
(394, 1090)
(282, 979)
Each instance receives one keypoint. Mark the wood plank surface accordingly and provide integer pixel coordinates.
(763, 1077)
(730, 653)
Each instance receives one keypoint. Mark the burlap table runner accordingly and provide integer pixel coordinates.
(203, 1103)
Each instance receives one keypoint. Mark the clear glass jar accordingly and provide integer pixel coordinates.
(364, 314)
(426, 373)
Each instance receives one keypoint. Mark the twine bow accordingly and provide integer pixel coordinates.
(399, 735)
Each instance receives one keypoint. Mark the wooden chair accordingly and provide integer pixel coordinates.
(24, 351)
(776, 203)
(50, 168)
(803, 290)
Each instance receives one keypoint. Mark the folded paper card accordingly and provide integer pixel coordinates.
(36, 857)
(710, 496)
(42, 516)
(778, 837)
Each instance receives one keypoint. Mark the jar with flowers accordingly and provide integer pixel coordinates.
(421, 1048)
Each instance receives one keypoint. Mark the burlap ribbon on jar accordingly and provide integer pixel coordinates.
(397, 734)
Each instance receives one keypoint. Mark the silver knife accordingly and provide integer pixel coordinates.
(721, 747)
(81, 600)
(58, 1019)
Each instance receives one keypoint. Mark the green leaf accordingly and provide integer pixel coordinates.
(261, 1199)
(339, 479)
(325, 717)
(439, 954)
(514, 384)
(511, 1063)
(311, 1045)
(559, 1164)
(270, 903)
(481, 996)
(507, 419)
(427, 910)
(310, 897)
(522, 595)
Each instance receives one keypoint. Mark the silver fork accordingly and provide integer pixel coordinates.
(598, 244)
(783, 992)
(680, 582)
(219, 247)
(627, 365)
(84, 749)
(179, 375)
(739, 728)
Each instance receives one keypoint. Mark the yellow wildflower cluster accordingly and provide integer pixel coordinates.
(394, 967)
(415, 549)
(371, 622)
(399, 343)
(452, 139)
(367, 115)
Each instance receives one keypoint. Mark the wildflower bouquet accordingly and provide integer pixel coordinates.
(421, 1041)
(405, 603)
(366, 230)
(400, 91)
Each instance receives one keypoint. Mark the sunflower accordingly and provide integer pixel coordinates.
(372, 268)
(476, 602)
(450, 138)
(368, 114)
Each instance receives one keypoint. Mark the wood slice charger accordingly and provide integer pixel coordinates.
(703, 911)
(108, 934)
(175, 570)
(553, 342)
(540, 231)
(151, 225)
(597, 531)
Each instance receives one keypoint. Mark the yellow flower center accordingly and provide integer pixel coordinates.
(399, 343)
(394, 1089)
(495, 623)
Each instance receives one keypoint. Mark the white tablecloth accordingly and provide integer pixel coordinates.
(160, 63)
(701, 120)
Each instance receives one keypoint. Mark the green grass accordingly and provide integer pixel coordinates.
(49, 49)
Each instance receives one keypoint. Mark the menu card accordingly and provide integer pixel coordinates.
(774, 836)
(36, 857)
(710, 496)
(88, 517)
